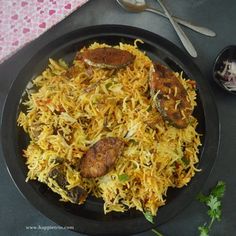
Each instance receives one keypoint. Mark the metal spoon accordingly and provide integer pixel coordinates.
(182, 36)
(140, 5)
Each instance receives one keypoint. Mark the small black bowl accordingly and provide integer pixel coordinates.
(227, 54)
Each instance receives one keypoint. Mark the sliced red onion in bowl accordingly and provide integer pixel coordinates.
(224, 69)
(228, 75)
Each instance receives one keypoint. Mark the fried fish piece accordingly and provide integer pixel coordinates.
(72, 72)
(76, 194)
(171, 98)
(101, 157)
(111, 58)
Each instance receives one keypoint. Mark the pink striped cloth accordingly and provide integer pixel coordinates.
(24, 20)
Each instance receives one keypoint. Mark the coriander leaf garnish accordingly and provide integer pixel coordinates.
(219, 190)
(149, 217)
(123, 177)
(185, 161)
(156, 232)
(214, 205)
(204, 231)
(108, 85)
(149, 108)
(202, 198)
(213, 201)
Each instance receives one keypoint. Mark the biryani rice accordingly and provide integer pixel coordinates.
(66, 116)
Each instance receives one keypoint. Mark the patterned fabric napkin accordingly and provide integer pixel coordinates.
(24, 20)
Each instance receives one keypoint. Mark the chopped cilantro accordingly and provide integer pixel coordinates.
(185, 160)
(133, 141)
(149, 108)
(156, 232)
(108, 85)
(148, 216)
(123, 177)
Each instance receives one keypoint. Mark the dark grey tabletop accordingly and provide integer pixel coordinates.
(16, 213)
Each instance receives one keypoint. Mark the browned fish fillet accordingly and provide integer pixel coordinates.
(101, 157)
(112, 58)
(171, 98)
(76, 194)
(72, 72)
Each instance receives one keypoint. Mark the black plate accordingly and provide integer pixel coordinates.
(89, 218)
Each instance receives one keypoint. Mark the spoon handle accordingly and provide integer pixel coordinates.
(199, 29)
(184, 39)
